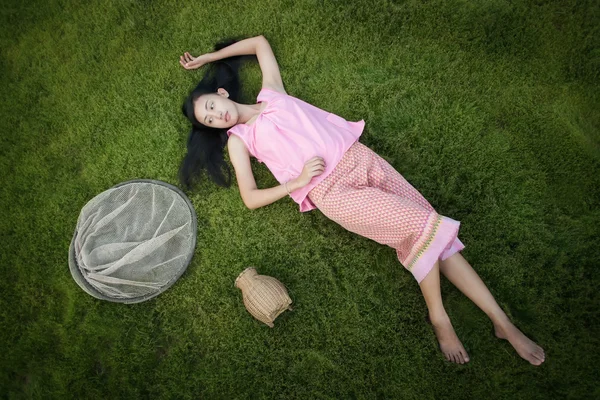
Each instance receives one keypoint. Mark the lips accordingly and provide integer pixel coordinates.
(227, 116)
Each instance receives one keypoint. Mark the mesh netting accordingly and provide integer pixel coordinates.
(133, 241)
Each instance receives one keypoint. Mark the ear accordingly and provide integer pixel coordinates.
(223, 93)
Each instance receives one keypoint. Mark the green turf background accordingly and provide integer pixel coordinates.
(489, 108)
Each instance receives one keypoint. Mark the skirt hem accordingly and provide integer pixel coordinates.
(444, 244)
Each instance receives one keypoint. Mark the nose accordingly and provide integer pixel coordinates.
(217, 114)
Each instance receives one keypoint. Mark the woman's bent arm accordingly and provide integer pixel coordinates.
(263, 197)
(252, 196)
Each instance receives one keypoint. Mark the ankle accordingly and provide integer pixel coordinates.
(503, 327)
(440, 317)
(499, 319)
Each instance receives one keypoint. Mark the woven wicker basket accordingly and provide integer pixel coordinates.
(264, 297)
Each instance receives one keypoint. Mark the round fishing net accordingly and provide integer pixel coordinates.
(133, 241)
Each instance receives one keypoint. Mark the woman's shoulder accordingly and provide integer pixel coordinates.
(236, 141)
(240, 147)
(269, 91)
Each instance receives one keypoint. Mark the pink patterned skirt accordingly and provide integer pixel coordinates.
(366, 195)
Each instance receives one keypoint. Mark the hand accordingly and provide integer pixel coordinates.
(313, 167)
(189, 62)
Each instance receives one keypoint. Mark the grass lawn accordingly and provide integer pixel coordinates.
(489, 108)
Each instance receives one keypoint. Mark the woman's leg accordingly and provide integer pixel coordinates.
(464, 277)
(450, 345)
(368, 197)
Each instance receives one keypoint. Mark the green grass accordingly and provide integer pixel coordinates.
(489, 108)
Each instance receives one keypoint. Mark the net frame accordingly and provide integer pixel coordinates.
(88, 288)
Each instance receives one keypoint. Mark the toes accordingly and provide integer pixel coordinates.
(458, 358)
(535, 361)
(538, 353)
(540, 356)
(465, 356)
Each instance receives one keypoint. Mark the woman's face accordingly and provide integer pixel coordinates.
(216, 110)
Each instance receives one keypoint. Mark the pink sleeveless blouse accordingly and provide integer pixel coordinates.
(289, 132)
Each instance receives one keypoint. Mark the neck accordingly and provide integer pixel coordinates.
(247, 112)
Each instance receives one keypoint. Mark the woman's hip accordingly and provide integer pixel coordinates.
(361, 168)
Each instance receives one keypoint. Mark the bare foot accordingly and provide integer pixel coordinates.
(524, 346)
(450, 345)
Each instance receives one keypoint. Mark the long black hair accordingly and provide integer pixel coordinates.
(205, 145)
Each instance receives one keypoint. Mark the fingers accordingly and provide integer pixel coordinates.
(182, 62)
(315, 166)
(316, 161)
(185, 60)
(316, 171)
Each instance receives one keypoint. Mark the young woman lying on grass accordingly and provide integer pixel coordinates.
(317, 158)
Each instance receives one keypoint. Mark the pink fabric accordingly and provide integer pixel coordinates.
(366, 195)
(289, 132)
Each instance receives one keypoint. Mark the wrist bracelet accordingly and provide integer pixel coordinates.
(286, 188)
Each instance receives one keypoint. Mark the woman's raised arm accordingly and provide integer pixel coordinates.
(258, 46)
